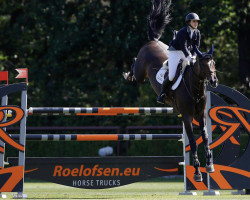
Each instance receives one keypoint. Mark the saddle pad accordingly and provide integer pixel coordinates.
(161, 74)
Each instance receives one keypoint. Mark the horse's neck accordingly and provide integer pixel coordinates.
(197, 85)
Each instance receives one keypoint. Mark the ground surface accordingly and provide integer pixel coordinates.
(156, 189)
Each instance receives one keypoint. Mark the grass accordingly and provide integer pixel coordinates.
(155, 189)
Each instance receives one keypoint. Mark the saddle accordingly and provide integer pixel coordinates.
(179, 71)
(181, 68)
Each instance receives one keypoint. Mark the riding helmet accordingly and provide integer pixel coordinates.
(192, 16)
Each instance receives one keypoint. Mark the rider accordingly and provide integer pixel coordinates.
(181, 47)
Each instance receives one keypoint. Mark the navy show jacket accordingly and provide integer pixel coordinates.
(183, 42)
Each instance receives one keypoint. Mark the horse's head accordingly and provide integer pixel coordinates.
(207, 66)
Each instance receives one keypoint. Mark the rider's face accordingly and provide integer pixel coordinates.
(194, 23)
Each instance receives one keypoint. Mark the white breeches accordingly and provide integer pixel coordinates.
(173, 61)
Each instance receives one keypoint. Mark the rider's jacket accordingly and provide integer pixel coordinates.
(183, 42)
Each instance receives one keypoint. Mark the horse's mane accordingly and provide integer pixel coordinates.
(158, 18)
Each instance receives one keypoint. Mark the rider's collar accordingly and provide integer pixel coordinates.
(190, 29)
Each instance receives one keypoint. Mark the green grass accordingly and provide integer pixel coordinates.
(156, 189)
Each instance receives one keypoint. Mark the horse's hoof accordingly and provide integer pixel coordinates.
(125, 75)
(198, 177)
(210, 168)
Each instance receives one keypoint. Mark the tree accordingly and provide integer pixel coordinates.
(242, 24)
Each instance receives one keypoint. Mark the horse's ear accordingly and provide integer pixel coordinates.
(211, 50)
(197, 51)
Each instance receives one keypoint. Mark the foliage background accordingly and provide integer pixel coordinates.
(76, 51)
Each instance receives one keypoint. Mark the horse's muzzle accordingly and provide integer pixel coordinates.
(213, 81)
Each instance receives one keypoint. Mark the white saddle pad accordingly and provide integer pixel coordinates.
(161, 73)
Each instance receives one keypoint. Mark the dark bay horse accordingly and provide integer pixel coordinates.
(189, 98)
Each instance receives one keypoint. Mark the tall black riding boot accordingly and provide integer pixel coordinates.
(164, 88)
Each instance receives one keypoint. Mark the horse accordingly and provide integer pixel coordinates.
(189, 98)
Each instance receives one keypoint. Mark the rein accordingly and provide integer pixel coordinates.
(201, 81)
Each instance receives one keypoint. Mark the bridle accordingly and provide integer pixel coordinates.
(207, 56)
(201, 80)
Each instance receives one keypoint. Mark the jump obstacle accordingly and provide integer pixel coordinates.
(55, 111)
(232, 170)
(99, 137)
(137, 168)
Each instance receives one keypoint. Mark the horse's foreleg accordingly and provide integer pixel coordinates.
(209, 164)
(189, 130)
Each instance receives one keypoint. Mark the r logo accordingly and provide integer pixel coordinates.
(17, 115)
(230, 127)
(230, 118)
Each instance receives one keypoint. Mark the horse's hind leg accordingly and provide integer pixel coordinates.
(209, 163)
(189, 130)
(129, 76)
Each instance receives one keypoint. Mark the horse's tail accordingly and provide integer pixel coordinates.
(158, 18)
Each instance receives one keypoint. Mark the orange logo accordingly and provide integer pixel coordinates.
(59, 170)
(17, 115)
(230, 127)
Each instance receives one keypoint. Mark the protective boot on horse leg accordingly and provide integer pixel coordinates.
(209, 164)
(196, 162)
(189, 131)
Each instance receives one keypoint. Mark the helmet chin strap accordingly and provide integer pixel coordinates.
(191, 26)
